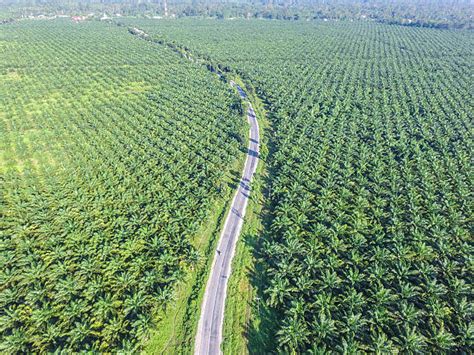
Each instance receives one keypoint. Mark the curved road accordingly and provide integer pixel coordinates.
(209, 332)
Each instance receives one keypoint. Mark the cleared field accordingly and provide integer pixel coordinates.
(112, 153)
(368, 243)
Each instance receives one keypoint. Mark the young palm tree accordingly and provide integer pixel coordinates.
(293, 335)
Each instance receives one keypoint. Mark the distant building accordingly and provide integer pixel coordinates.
(77, 19)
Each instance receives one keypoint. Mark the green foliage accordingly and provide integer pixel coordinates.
(369, 245)
(419, 13)
(112, 152)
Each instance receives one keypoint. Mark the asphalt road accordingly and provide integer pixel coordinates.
(209, 333)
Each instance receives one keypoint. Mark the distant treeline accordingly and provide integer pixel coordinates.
(422, 13)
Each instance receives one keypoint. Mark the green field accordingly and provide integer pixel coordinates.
(113, 154)
(119, 156)
(368, 222)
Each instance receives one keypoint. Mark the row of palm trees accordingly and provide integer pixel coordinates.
(106, 184)
(368, 245)
(389, 216)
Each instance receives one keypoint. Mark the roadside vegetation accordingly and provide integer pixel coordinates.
(244, 327)
(118, 158)
(114, 154)
(368, 247)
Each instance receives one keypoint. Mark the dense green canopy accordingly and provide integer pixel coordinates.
(112, 153)
(369, 245)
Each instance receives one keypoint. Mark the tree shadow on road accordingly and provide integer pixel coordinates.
(234, 179)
